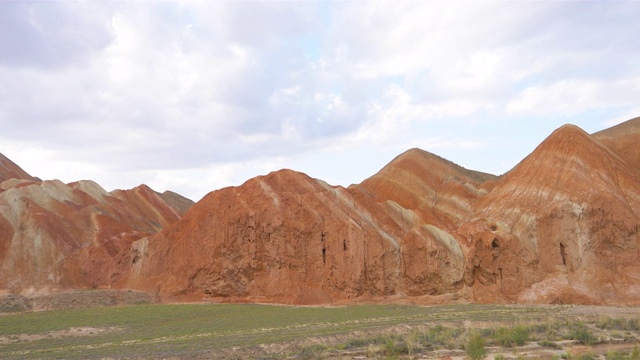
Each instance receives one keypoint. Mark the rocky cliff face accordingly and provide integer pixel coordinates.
(283, 237)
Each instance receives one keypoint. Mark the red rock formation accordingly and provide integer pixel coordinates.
(54, 235)
(283, 237)
(565, 225)
(288, 238)
(437, 190)
(562, 226)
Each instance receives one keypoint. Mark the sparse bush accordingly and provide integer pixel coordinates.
(499, 357)
(395, 346)
(475, 347)
(411, 341)
(617, 355)
(487, 332)
(439, 335)
(520, 335)
(503, 337)
(549, 344)
(583, 335)
(355, 343)
(632, 324)
(551, 330)
(311, 352)
(510, 337)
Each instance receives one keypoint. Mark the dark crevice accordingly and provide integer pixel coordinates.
(495, 243)
(563, 253)
(324, 255)
(344, 245)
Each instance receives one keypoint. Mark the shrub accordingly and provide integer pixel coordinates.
(475, 347)
(503, 337)
(520, 335)
(411, 341)
(311, 352)
(439, 335)
(510, 337)
(616, 355)
(583, 335)
(395, 347)
(549, 344)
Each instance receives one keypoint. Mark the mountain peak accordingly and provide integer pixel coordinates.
(569, 161)
(9, 170)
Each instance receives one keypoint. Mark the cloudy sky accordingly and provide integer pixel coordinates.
(193, 96)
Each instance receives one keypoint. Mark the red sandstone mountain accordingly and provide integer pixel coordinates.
(437, 190)
(562, 226)
(565, 225)
(56, 235)
(283, 237)
(289, 238)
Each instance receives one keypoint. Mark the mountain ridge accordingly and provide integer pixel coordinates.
(561, 226)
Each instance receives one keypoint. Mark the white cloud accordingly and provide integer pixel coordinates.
(631, 113)
(198, 94)
(574, 96)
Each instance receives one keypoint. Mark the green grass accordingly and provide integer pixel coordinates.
(169, 329)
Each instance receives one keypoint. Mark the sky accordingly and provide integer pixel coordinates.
(193, 96)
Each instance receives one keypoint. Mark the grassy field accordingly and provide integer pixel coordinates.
(147, 331)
